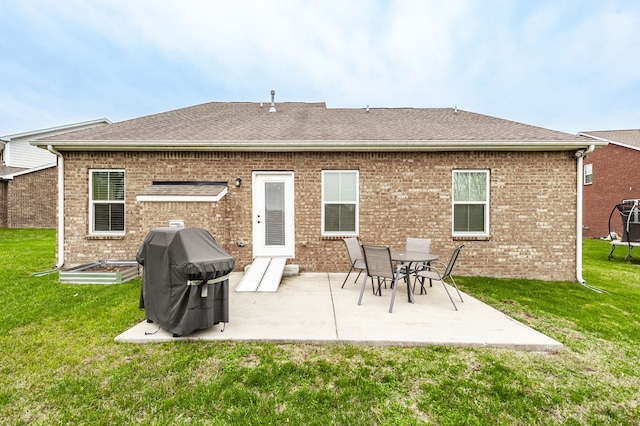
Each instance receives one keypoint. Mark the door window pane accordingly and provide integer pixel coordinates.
(274, 214)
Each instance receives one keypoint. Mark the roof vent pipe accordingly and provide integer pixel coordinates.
(273, 102)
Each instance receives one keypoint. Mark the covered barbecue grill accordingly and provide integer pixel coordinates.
(185, 280)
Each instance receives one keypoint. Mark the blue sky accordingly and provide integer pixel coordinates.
(565, 65)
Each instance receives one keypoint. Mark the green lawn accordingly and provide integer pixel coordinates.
(60, 365)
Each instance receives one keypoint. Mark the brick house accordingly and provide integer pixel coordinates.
(28, 178)
(612, 174)
(293, 179)
(28, 197)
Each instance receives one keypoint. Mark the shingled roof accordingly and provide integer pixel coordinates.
(5, 170)
(629, 137)
(313, 126)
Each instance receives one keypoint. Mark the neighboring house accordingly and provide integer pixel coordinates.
(611, 175)
(28, 190)
(293, 179)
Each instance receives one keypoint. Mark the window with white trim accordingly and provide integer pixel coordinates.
(588, 174)
(470, 202)
(340, 193)
(106, 201)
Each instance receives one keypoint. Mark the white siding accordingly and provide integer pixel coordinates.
(21, 154)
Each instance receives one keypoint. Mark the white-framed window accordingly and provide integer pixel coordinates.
(106, 201)
(470, 202)
(588, 174)
(340, 206)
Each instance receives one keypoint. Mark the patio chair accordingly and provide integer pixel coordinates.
(416, 244)
(431, 272)
(380, 266)
(356, 258)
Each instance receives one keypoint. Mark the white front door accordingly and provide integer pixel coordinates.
(273, 220)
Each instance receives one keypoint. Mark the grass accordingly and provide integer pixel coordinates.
(59, 363)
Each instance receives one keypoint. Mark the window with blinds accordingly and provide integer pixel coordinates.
(107, 201)
(340, 202)
(274, 214)
(470, 202)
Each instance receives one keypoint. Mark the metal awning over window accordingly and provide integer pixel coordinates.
(183, 192)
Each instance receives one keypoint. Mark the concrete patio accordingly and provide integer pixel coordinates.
(312, 308)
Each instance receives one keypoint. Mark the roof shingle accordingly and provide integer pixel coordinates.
(187, 189)
(627, 137)
(225, 121)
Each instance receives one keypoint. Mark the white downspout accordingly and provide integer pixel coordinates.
(60, 168)
(579, 186)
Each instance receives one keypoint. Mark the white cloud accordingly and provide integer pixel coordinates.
(546, 63)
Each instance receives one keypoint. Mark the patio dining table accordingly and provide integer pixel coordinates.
(407, 257)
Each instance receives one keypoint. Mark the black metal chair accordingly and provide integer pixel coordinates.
(431, 272)
(380, 266)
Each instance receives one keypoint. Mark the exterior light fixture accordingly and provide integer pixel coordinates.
(237, 182)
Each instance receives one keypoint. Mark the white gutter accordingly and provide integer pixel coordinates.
(60, 249)
(316, 145)
(580, 154)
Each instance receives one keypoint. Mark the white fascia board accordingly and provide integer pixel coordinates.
(321, 145)
(177, 198)
(182, 198)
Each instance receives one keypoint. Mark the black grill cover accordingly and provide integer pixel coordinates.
(171, 257)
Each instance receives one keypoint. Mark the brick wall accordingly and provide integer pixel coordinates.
(31, 200)
(401, 194)
(4, 187)
(616, 177)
